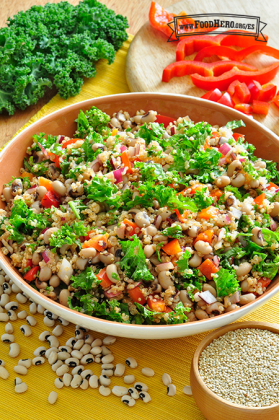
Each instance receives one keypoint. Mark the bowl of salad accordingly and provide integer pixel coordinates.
(143, 215)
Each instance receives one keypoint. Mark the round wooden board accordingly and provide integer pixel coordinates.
(150, 53)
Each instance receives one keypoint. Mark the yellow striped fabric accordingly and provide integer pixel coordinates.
(171, 356)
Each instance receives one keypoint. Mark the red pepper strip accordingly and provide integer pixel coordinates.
(245, 108)
(276, 100)
(31, 274)
(223, 81)
(162, 119)
(191, 44)
(71, 141)
(54, 158)
(49, 200)
(260, 107)
(226, 100)
(255, 89)
(235, 55)
(268, 92)
(237, 135)
(183, 68)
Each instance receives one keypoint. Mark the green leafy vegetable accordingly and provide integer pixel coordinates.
(133, 261)
(226, 282)
(101, 190)
(235, 124)
(92, 120)
(68, 235)
(85, 280)
(173, 231)
(201, 199)
(183, 263)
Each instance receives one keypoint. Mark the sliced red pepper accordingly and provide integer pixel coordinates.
(191, 44)
(260, 107)
(105, 281)
(55, 158)
(235, 55)
(268, 92)
(237, 135)
(243, 93)
(226, 100)
(276, 100)
(157, 305)
(132, 227)
(28, 263)
(245, 108)
(49, 200)
(222, 82)
(260, 199)
(31, 274)
(183, 68)
(213, 95)
(162, 119)
(126, 161)
(264, 282)
(68, 142)
(136, 295)
(255, 89)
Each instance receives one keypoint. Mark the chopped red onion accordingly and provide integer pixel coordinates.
(44, 230)
(216, 260)
(225, 148)
(95, 165)
(110, 294)
(172, 130)
(114, 163)
(43, 150)
(222, 161)
(273, 225)
(118, 175)
(221, 234)
(45, 256)
(158, 221)
(207, 297)
(63, 219)
(120, 231)
(241, 160)
(233, 156)
(228, 219)
(123, 148)
(60, 139)
(235, 298)
(236, 213)
(137, 149)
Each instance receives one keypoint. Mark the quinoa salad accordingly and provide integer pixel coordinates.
(144, 219)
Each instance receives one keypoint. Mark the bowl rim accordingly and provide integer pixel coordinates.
(168, 327)
(219, 333)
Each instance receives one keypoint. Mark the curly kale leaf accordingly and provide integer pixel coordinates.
(68, 234)
(134, 261)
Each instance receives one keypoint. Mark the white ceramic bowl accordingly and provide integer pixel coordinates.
(62, 122)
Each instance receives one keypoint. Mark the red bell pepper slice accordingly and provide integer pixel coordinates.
(255, 89)
(213, 95)
(162, 119)
(54, 158)
(245, 108)
(268, 92)
(235, 55)
(226, 100)
(237, 135)
(222, 82)
(260, 107)
(264, 282)
(68, 142)
(239, 92)
(136, 295)
(191, 44)
(31, 274)
(105, 281)
(276, 100)
(49, 200)
(183, 68)
(157, 305)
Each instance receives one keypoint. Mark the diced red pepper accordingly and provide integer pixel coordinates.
(157, 305)
(168, 310)
(207, 268)
(255, 89)
(162, 119)
(237, 73)
(276, 100)
(172, 247)
(31, 274)
(237, 135)
(260, 107)
(28, 263)
(105, 281)
(243, 93)
(68, 142)
(49, 200)
(133, 227)
(271, 185)
(264, 282)
(136, 295)
(213, 95)
(226, 100)
(54, 158)
(268, 92)
(245, 108)
(126, 161)
(260, 199)
(236, 55)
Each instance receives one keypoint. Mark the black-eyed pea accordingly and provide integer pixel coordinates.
(84, 384)
(7, 338)
(21, 298)
(171, 390)
(119, 369)
(53, 341)
(85, 349)
(22, 314)
(77, 354)
(2, 363)
(86, 374)
(26, 330)
(40, 351)
(97, 359)
(78, 344)
(58, 330)
(67, 378)
(96, 350)
(107, 372)
(17, 381)
(76, 381)
(58, 383)
(105, 391)
(140, 386)
(71, 342)
(105, 350)
(97, 343)
(4, 317)
(4, 374)
(107, 341)
(88, 358)
(31, 320)
(37, 361)
(63, 321)
(7, 289)
(25, 362)
(72, 362)
(20, 388)
(131, 362)
(14, 350)
(119, 391)
(88, 339)
(94, 381)
(108, 366)
(147, 372)
(48, 322)
(53, 357)
(9, 329)
(33, 308)
(166, 379)
(11, 306)
(21, 370)
(104, 380)
(15, 288)
(5, 298)
(56, 365)
(79, 334)
(78, 370)
(66, 349)
(244, 299)
(62, 370)
(129, 379)
(187, 390)
(12, 315)
(44, 335)
(145, 396)
(63, 355)
(128, 400)
(52, 398)
(108, 358)
(134, 393)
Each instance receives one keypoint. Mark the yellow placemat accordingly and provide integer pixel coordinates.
(171, 356)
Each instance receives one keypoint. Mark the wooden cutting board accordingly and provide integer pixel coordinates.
(150, 53)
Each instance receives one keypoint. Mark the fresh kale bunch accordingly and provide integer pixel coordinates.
(56, 44)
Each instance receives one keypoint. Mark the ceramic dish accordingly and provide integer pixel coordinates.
(214, 407)
(62, 121)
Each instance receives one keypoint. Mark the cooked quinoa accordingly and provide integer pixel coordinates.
(144, 219)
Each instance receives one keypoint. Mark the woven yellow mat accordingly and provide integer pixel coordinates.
(171, 356)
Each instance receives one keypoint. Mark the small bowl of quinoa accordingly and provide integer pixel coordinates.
(235, 372)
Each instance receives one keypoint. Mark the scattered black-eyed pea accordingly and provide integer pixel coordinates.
(37, 361)
(71, 342)
(40, 351)
(105, 350)
(63, 355)
(52, 398)
(48, 322)
(50, 315)
(22, 314)
(63, 321)
(140, 386)
(2, 363)
(57, 331)
(104, 380)
(129, 379)
(145, 396)
(4, 317)
(14, 350)
(7, 338)
(171, 390)
(97, 343)
(25, 362)
(131, 362)
(107, 372)
(78, 344)
(62, 370)
(76, 381)
(108, 358)
(187, 390)
(21, 370)
(26, 330)
(9, 329)
(94, 381)
(40, 309)
(50, 350)
(17, 381)
(105, 391)
(31, 320)
(79, 334)
(11, 306)
(85, 349)
(79, 327)
(7, 288)
(97, 359)
(96, 350)
(134, 393)
(78, 370)
(21, 298)
(88, 358)
(72, 362)
(109, 340)
(88, 339)
(128, 400)
(84, 384)
(67, 378)
(15, 288)
(5, 298)
(20, 388)
(77, 354)
(12, 315)
(119, 369)
(58, 383)
(4, 374)
(33, 308)
(56, 365)
(67, 349)
(147, 372)
(166, 379)
(86, 374)
(1, 310)
(44, 336)
(53, 341)
(119, 391)
(53, 357)
(109, 366)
